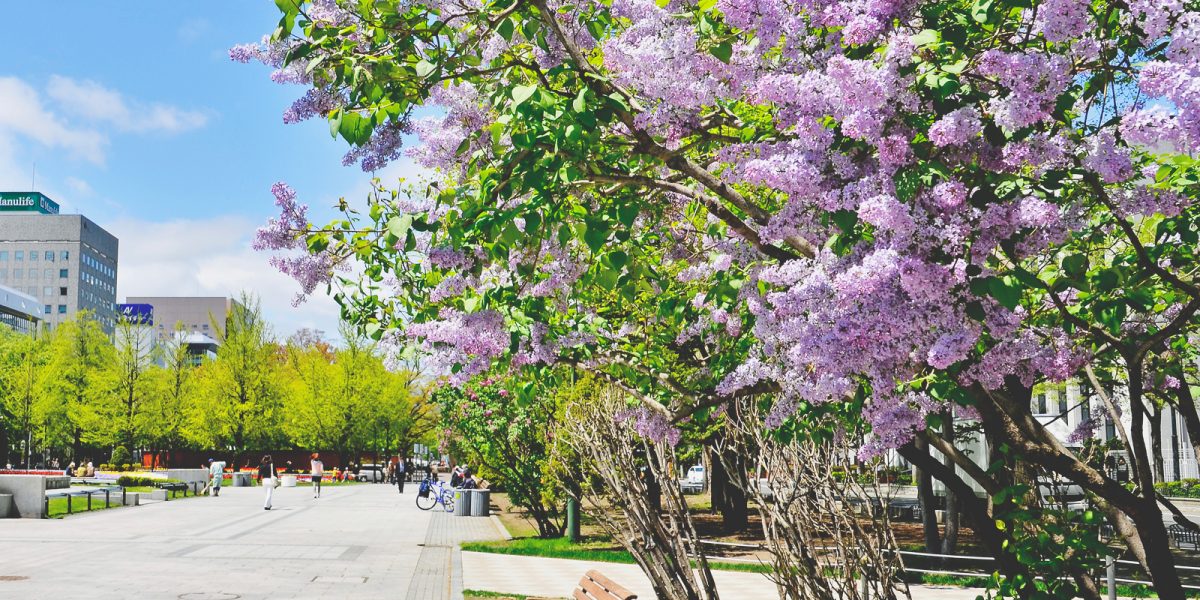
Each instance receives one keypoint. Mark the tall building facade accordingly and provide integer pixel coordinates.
(67, 262)
(197, 314)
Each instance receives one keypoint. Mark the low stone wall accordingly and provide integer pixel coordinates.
(189, 475)
(58, 482)
(29, 493)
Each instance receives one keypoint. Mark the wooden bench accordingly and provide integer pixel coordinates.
(595, 586)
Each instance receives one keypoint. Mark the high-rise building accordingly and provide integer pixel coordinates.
(197, 314)
(67, 262)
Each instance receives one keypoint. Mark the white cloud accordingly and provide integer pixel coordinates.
(212, 257)
(22, 114)
(90, 100)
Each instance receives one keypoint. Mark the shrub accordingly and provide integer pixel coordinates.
(120, 455)
(128, 467)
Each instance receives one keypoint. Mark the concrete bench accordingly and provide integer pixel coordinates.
(595, 586)
(173, 488)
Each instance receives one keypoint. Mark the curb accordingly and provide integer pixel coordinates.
(501, 528)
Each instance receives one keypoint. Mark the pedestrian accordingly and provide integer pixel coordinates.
(216, 475)
(317, 472)
(70, 469)
(266, 473)
(391, 472)
(400, 468)
(456, 476)
(91, 470)
(428, 470)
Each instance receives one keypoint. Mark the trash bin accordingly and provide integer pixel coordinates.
(462, 502)
(289, 480)
(480, 503)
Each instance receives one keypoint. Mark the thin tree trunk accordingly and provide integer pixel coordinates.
(928, 503)
(718, 481)
(951, 517)
(1191, 418)
(734, 512)
(1155, 413)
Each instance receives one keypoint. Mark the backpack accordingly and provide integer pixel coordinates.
(424, 491)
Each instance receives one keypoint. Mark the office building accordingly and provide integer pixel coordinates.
(143, 329)
(19, 311)
(196, 314)
(67, 262)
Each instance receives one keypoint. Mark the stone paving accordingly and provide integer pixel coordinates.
(361, 541)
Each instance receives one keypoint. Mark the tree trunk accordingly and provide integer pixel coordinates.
(950, 519)
(718, 481)
(734, 512)
(1155, 413)
(1191, 418)
(927, 501)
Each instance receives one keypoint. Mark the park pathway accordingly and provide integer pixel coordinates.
(361, 541)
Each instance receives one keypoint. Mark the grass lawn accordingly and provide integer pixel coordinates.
(590, 549)
(484, 595)
(58, 506)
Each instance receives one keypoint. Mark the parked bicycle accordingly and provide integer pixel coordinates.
(433, 492)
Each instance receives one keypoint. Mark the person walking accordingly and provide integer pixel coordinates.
(216, 474)
(318, 472)
(400, 468)
(266, 473)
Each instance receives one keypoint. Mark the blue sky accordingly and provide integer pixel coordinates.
(136, 118)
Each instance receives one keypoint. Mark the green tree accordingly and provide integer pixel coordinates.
(22, 358)
(504, 429)
(136, 354)
(76, 392)
(172, 388)
(238, 403)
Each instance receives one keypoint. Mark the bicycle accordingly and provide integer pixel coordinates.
(433, 492)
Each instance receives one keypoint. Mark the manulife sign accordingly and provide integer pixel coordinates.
(27, 202)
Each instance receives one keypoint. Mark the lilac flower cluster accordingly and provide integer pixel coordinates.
(956, 127)
(650, 424)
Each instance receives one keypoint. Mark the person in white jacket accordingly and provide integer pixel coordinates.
(317, 472)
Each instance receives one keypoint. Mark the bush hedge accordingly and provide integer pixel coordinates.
(135, 481)
(120, 456)
(1184, 488)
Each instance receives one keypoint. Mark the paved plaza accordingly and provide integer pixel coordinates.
(361, 541)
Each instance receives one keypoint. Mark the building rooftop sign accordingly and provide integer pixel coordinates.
(138, 314)
(27, 202)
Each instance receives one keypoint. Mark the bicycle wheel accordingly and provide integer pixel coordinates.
(448, 501)
(427, 501)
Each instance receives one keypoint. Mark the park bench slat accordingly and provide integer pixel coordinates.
(596, 586)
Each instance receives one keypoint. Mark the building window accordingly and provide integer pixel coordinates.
(64, 255)
(48, 273)
(4, 255)
(1039, 404)
(50, 256)
(62, 309)
(1110, 429)
(33, 254)
(1062, 402)
(49, 309)
(33, 274)
(31, 290)
(62, 273)
(62, 291)
(1085, 409)
(18, 255)
(46, 291)
(3, 274)
(18, 273)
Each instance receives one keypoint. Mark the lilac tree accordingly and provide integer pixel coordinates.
(900, 206)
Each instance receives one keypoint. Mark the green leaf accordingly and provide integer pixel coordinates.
(1005, 292)
(355, 128)
(596, 235)
(506, 29)
(627, 214)
(618, 259)
(926, 37)
(424, 68)
(706, 5)
(398, 226)
(335, 122)
(723, 52)
(1075, 265)
(981, 10)
(579, 104)
(521, 93)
